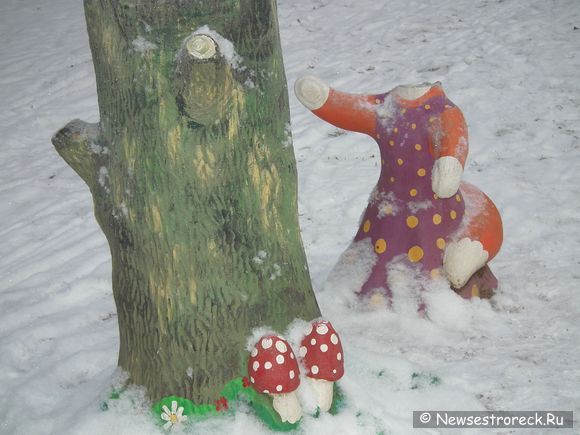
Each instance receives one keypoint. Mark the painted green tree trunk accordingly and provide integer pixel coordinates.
(193, 177)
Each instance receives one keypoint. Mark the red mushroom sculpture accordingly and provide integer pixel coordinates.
(273, 369)
(321, 353)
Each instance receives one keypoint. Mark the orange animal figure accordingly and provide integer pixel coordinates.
(420, 211)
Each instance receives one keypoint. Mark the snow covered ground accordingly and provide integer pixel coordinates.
(512, 66)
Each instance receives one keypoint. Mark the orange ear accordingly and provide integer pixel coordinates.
(350, 112)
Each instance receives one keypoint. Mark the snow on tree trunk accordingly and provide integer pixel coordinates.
(193, 178)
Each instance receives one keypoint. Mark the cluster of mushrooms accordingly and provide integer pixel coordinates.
(273, 368)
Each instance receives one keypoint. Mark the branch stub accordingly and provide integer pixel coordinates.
(201, 46)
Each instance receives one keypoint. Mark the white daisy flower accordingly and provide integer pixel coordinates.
(173, 417)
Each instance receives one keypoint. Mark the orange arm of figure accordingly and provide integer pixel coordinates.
(449, 135)
(350, 112)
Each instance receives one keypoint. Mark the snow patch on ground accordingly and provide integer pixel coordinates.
(350, 272)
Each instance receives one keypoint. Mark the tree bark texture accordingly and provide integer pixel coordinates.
(193, 177)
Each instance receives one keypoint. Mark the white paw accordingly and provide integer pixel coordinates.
(311, 91)
(446, 176)
(462, 259)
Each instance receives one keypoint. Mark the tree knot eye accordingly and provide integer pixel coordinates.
(201, 46)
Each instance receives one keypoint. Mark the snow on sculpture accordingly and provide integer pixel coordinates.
(420, 211)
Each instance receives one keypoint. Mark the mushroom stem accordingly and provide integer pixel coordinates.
(287, 406)
(324, 392)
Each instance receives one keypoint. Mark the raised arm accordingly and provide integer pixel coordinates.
(346, 111)
(448, 136)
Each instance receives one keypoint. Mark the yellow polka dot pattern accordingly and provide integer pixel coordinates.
(412, 221)
(415, 254)
(367, 226)
(380, 246)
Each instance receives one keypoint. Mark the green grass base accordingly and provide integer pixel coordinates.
(236, 391)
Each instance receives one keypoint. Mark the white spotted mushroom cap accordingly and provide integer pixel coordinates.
(321, 352)
(272, 366)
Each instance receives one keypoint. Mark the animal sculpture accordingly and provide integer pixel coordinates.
(420, 211)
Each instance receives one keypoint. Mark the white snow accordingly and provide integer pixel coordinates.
(388, 203)
(415, 206)
(260, 257)
(141, 45)
(104, 178)
(277, 273)
(512, 67)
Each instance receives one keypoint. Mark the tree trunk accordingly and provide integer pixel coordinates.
(193, 177)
